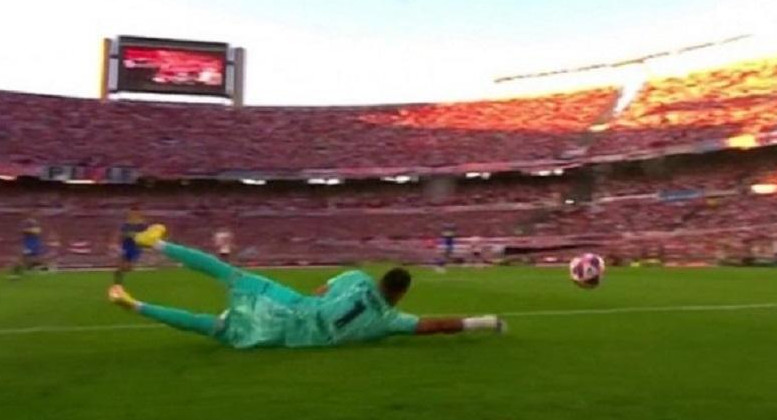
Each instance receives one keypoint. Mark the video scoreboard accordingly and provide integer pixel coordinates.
(170, 66)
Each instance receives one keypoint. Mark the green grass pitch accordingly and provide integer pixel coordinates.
(699, 353)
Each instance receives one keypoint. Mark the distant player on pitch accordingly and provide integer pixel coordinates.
(53, 250)
(224, 241)
(129, 251)
(448, 244)
(262, 313)
(32, 247)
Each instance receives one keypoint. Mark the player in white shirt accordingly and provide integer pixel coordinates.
(224, 241)
(53, 248)
(476, 248)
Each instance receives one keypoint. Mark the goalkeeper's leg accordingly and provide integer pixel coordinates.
(191, 258)
(211, 265)
(204, 324)
(200, 261)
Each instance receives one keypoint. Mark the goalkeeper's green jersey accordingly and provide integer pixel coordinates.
(264, 313)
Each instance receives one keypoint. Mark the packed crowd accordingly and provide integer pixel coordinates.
(286, 198)
(631, 203)
(174, 139)
(724, 220)
(733, 170)
(722, 172)
(277, 222)
(170, 139)
(706, 105)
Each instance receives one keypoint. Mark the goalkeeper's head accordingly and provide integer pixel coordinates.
(394, 284)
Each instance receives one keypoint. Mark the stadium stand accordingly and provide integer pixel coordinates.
(705, 197)
(175, 139)
(715, 104)
(689, 207)
(163, 139)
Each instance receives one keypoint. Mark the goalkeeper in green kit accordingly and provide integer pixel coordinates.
(262, 313)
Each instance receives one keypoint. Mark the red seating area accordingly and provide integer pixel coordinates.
(734, 170)
(343, 222)
(176, 138)
(706, 105)
(726, 221)
(545, 126)
(237, 198)
(288, 223)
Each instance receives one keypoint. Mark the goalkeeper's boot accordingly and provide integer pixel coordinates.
(119, 296)
(149, 237)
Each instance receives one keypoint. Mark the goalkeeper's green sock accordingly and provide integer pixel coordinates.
(204, 324)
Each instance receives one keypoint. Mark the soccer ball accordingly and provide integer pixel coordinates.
(586, 270)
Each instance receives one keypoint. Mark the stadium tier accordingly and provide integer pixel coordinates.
(704, 201)
(698, 208)
(731, 106)
(330, 237)
(721, 103)
(175, 139)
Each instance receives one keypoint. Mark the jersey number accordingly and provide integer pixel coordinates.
(349, 316)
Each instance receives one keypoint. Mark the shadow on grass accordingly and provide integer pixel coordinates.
(207, 347)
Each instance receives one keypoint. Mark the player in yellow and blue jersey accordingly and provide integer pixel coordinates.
(448, 245)
(32, 247)
(129, 250)
(262, 313)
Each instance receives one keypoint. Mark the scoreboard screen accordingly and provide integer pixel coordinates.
(171, 66)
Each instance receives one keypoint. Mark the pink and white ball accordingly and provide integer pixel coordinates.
(587, 270)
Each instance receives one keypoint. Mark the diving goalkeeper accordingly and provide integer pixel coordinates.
(263, 313)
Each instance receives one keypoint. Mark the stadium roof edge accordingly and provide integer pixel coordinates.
(625, 62)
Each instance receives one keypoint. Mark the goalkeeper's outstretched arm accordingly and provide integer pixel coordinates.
(428, 326)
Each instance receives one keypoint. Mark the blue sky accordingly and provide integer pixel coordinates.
(364, 51)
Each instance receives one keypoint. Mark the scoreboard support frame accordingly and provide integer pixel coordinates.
(105, 68)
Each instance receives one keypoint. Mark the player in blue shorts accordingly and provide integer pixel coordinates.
(32, 247)
(262, 313)
(129, 251)
(448, 242)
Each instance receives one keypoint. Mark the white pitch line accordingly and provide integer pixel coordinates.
(77, 328)
(630, 309)
(643, 309)
(633, 309)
